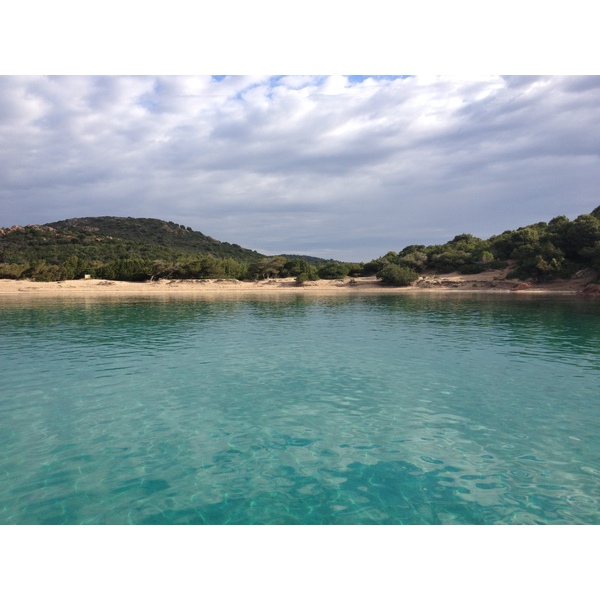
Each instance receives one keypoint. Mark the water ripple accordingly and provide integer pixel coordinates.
(373, 410)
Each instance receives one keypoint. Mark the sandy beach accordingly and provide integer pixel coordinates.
(492, 281)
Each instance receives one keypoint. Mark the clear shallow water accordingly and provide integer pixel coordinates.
(365, 410)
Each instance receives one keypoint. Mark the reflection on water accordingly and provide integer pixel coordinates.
(391, 409)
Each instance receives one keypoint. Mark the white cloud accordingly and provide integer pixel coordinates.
(307, 164)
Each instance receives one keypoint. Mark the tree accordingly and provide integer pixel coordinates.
(583, 234)
(451, 260)
(414, 260)
(299, 266)
(333, 270)
(270, 266)
(126, 269)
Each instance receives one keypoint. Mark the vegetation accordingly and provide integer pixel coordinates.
(396, 275)
(118, 248)
(141, 249)
(541, 252)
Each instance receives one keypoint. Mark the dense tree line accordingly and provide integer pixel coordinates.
(143, 249)
(302, 269)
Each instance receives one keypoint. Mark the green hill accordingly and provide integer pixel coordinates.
(154, 236)
(540, 252)
(91, 243)
(106, 238)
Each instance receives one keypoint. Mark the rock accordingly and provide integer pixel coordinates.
(592, 289)
(584, 273)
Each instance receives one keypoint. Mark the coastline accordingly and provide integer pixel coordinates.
(455, 283)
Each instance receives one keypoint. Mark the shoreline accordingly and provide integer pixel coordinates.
(452, 283)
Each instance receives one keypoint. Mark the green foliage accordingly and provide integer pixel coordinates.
(118, 248)
(541, 261)
(418, 261)
(557, 229)
(583, 234)
(541, 251)
(13, 270)
(374, 266)
(106, 239)
(411, 249)
(396, 275)
(334, 270)
(592, 255)
(298, 266)
(125, 269)
(40, 271)
(313, 260)
(265, 268)
(451, 260)
(147, 234)
(355, 269)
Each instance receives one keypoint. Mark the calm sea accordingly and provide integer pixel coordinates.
(429, 409)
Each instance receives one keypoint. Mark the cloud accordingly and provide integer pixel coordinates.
(348, 167)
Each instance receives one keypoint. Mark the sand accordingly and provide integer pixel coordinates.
(492, 281)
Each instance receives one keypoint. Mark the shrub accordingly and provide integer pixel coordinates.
(12, 271)
(396, 275)
(333, 270)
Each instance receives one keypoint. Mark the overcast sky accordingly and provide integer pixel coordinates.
(332, 166)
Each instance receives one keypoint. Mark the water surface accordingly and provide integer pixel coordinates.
(463, 409)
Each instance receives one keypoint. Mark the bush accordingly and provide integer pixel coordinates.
(414, 260)
(299, 266)
(396, 275)
(498, 264)
(333, 270)
(12, 271)
(126, 269)
(373, 267)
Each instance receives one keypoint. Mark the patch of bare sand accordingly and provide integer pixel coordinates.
(496, 281)
(491, 281)
(95, 287)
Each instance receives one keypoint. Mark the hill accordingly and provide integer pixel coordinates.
(541, 252)
(90, 243)
(131, 249)
(153, 236)
(107, 238)
(313, 260)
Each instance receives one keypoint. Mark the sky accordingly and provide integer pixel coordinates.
(335, 166)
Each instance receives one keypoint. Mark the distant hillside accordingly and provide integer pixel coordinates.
(104, 239)
(313, 260)
(131, 249)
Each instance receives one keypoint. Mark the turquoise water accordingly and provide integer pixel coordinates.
(446, 409)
